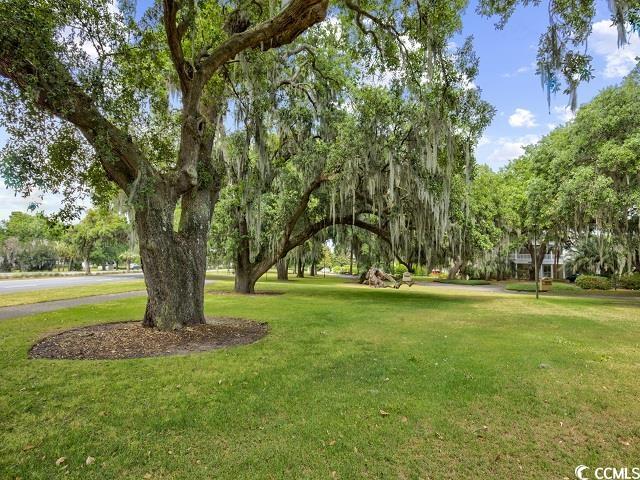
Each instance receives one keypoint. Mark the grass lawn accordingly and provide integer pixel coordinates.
(63, 293)
(350, 383)
(570, 289)
(459, 281)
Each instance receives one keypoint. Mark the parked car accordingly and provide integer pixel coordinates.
(135, 266)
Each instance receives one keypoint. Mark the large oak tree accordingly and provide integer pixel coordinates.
(38, 56)
(95, 97)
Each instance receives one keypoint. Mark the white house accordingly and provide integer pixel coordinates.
(521, 261)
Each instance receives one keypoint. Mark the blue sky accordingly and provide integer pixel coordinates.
(507, 79)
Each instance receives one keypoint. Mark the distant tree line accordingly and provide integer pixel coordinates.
(576, 191)
(37, 243)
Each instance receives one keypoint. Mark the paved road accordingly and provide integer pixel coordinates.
(30, 284)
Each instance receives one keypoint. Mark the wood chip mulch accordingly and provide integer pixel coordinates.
(132, 340)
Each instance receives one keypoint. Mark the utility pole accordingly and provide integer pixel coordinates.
(324, 265)
(351, 253)
(535, 260)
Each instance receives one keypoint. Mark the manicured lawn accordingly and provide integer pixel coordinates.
(470, 385)
(49, 294)
(570, 289)
(458, 281)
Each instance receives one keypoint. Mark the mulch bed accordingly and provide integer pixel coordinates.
(132, 340)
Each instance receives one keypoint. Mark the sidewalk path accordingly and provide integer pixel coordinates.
(498, 288)
(42, 307)
(469, 288)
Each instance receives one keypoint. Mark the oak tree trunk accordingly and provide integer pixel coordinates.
(536, 263)
(300, 273)
(244, 282)
(282, 269)
(245, 275)
(174, 262)
(455, 269)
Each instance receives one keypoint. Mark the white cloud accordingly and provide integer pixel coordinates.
(564, 113)
(381, 79)
(520, 70)
(484, 140)
(619, 61)
(10, 202)
(551, 126)
(507, 148)
(468, 84)
(522, 118)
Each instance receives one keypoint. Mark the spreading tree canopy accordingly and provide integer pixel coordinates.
(96, 99)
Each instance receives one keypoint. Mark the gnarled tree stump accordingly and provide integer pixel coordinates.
(376, 278)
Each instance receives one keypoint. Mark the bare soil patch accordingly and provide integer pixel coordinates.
(132, 340)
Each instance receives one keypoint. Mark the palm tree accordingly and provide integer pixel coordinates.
(596, 254)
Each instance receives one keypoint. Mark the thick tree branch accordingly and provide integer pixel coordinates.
(264, 262)
(383, 235)
(296, 17)
(174, 40)
(302, 204)
(381, 23)
(55, 91)
(280, 30)
(196, 148)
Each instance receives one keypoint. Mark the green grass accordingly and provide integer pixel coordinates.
(55, 273)
(570, 289)
(49, 294)
(458, 281)
(458, 373)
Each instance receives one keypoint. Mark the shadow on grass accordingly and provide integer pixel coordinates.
(348, 291)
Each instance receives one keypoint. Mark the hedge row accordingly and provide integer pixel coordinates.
(593, 282)
(632, 282)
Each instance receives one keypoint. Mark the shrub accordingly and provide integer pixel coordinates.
(399, 269)
(419, 270)
(632, 282)
(593, 282)
(343, 269)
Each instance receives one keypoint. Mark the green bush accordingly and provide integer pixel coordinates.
(593, 282)
(399, 269)
(419, 270)
(631, 282)
(343, 269)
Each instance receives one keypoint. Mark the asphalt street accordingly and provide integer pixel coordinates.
(31, 284)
